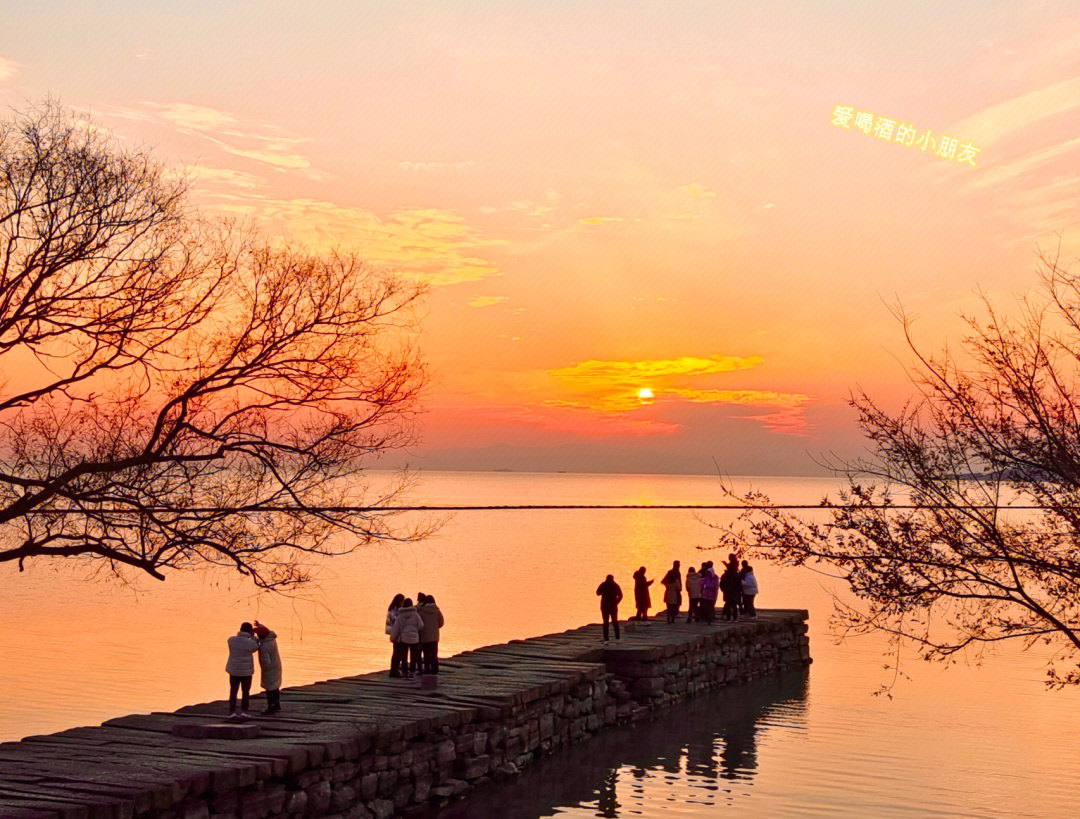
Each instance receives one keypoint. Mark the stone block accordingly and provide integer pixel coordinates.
(217, 730)
(387, 781)
(295, 802)
(646, 686)
(341, 797)
(403, 794)
(422, 789)
(445, 752)
(460, 786)
(344, 771)
(473, 768)
(496, 737)
(480, 741)
(318, 799)
(369, 786)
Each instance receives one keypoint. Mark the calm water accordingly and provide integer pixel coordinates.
(965, 741)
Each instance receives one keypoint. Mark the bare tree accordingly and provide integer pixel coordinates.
(175, 394)
(962, 529)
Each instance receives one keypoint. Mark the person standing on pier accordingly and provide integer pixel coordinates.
(693, 592)
(731, 588)
(642, 598)
(749, 589)
(241, 668)
(429, 634)
(710, 589)
(391, 616)
(406, 636)
(673, 591)
(610, 596)
(269, 667)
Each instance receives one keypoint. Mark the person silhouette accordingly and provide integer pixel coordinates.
(610, 596)
(642, 598)
(673, 591)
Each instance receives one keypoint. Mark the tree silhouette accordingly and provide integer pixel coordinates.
(176, 393)
(962, 528)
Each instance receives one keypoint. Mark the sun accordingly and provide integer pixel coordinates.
(645, 394)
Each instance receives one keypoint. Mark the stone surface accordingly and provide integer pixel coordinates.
(368, 745)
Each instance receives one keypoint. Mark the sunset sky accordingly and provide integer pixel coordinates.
(614, 199)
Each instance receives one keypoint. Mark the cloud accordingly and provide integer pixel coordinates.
(193, 117)
(206, 177)
(8, 69)
(612, 388)
(788, 417)
(259, 141)
(485, 301)
(999, 121)
(620, 372)
(697, 191)
(417, 167)
(749, 398)
(600, 220)
(434, 245)
(1002, 173)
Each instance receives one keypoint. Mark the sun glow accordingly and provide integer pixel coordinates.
(645, 394)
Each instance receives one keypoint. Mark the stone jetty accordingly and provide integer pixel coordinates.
(371, 746)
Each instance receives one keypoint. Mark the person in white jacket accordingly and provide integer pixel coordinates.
(240, 669)
(405, 634)
(269, 667)
(749, 589)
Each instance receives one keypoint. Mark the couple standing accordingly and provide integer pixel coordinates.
(241, 667)
(414, 631)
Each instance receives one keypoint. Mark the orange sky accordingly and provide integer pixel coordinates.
(608, 197)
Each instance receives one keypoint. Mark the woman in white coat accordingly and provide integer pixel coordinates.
(240, 667)
(406, 636)
(269, 667)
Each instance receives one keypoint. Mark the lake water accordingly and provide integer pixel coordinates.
(971, 741)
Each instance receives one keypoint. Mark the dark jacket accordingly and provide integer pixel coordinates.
(731, 583)
(641, 591)
(610, 595)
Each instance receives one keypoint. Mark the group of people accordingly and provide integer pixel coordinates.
(736, 584)
(414, 631)
(252, 639)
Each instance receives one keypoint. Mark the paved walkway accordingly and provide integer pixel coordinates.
(138, 763)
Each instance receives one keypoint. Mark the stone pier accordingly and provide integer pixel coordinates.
(371, 746)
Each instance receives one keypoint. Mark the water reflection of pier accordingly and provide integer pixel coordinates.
(707, 745)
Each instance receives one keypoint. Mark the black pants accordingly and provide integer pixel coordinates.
(707, 610)
(613, 616)
(429, 655)
(731, 608)
(413, 652)
(672, 612)
(273, 699)
(695, 610)
(399, 659)
(748, 605)
(239, 683)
